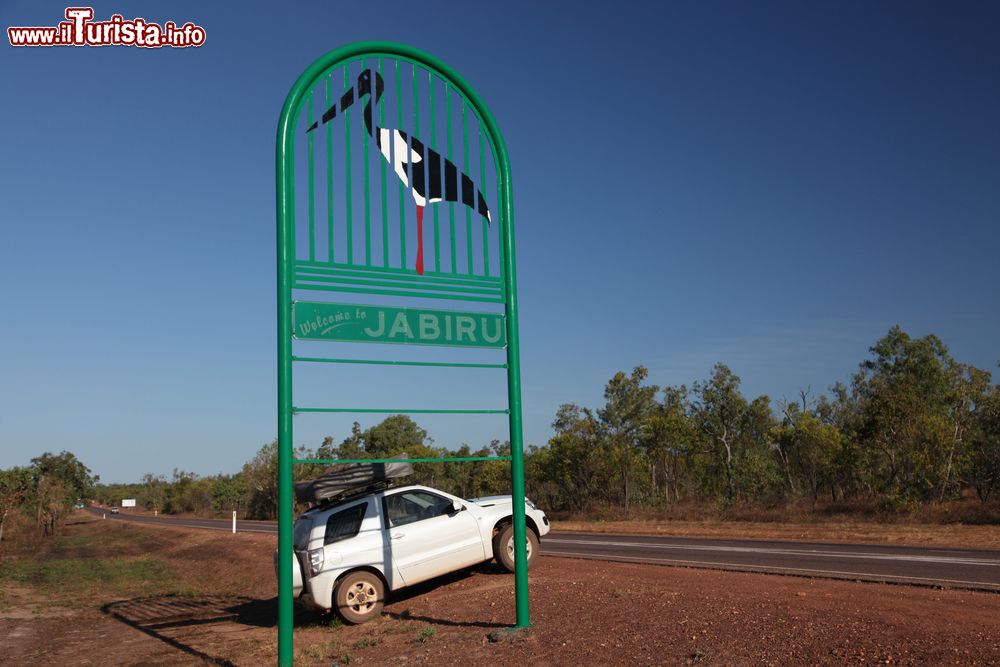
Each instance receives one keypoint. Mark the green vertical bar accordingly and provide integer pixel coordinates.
(416, 103)
(312, 193)
(416, 133)
(437, 231)
(329, 176)
(465, 169)
(482, 184)
(402, 198)
(368, 206)
(285, 205)
(385, 204)
(500, 221)
(506, 207)
(347, 176)
(451, 205)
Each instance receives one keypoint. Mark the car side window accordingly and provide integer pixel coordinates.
(411, 506)
(344, 524)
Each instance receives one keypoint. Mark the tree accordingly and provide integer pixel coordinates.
(624, 421)
(915, 405)
(392, 436)
(737, 434)
(575, 462)
(719, 409)
(260, 475)
(59, 480)
(229, 492)
(809, 449)
(672, 443)
(970, 388)
(15, 485)
(984, 465)
(67, 469)
(188, 493)
(154, 491)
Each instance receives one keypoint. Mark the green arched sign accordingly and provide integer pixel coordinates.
(393, 182)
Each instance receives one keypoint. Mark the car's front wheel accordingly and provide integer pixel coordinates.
(359, 596)
(503, 547)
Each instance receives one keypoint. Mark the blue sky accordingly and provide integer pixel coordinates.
(781, 183)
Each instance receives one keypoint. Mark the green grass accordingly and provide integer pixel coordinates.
(89, 566)
(366, 642)
(68, 578)
(325, 651)
(90, 540)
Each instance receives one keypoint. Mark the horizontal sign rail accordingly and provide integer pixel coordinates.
(451, 459)
(304, 279)
(317, 320)
(383, 362)
(395, 292)
(320, 270)
(396, 411)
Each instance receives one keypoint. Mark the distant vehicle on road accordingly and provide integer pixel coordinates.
(350, 552)
(114, 510)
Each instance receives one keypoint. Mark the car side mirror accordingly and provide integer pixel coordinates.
(457, 506)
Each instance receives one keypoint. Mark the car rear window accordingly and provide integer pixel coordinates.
(345, 524)
(300, 533)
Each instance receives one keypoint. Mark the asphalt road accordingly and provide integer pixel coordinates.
(949, 568)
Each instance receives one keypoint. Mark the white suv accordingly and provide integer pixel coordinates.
(350, 553)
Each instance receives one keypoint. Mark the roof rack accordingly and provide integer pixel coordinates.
(352, 494)
(342, 480)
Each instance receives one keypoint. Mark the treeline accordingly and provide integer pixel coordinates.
(913, 427)
(253, 492)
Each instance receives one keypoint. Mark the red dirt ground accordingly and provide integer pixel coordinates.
(584, 612)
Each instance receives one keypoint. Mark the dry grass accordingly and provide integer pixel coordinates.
(960, 523)
(917, 534)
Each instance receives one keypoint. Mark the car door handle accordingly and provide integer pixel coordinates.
(396, 536)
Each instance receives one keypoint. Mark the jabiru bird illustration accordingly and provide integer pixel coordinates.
(408, 154)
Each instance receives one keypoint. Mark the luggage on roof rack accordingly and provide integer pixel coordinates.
(341, 479)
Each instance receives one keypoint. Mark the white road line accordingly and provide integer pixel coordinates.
(758, 568)
(984, 562)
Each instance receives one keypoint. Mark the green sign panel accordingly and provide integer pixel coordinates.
(406, 326)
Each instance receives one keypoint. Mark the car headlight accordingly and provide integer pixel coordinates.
(530, 504)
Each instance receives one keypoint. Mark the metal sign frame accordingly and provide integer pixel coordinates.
(354, 277)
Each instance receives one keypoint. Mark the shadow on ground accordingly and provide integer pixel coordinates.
(161, 617)
(166, 618)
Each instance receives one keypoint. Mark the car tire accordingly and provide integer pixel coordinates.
(358, 597)
(503, 547)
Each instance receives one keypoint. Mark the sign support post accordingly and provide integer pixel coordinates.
(347, 249)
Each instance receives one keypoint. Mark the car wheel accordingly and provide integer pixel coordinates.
(503, 547)
(358, 597)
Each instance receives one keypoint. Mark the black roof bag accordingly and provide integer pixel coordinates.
(341, 479)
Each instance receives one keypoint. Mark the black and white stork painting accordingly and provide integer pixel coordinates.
(429, 176)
